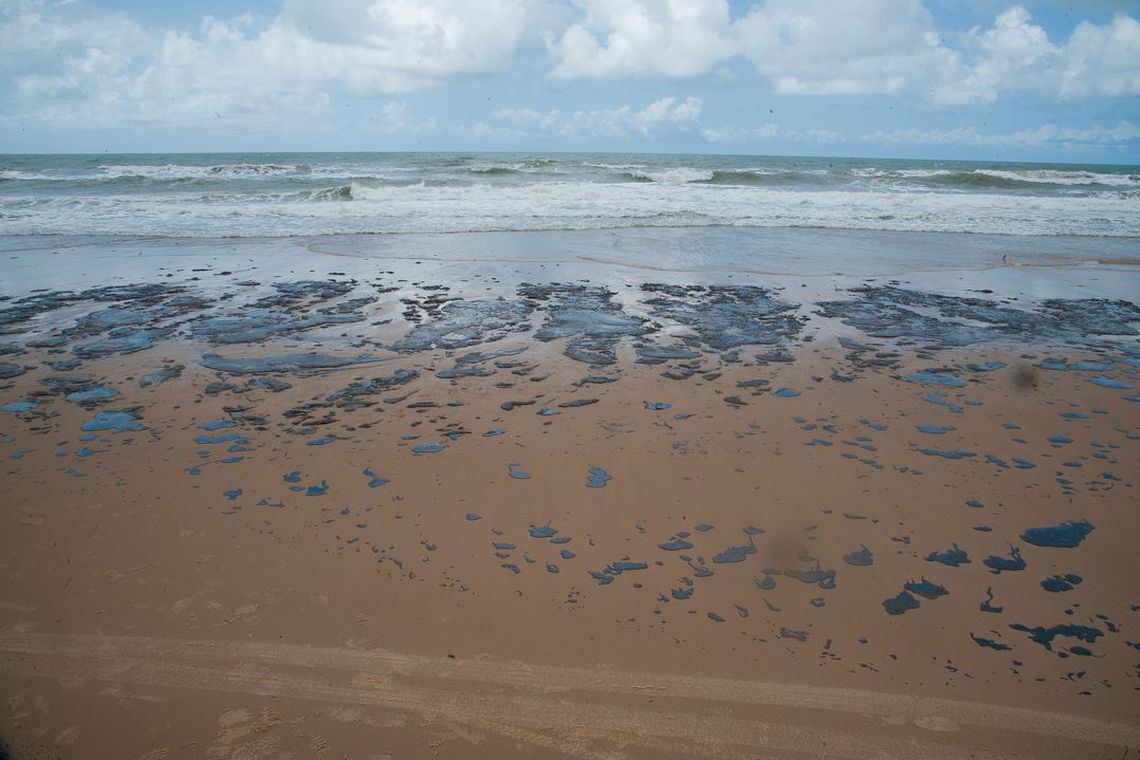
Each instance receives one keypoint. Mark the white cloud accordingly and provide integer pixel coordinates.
(617, 38)
(740, 134)
(384, 47)
(393, 118)
(824, 136)
(829, 47)
(38, 35)
(1042, 136)
(770, 132)
(66, 52)
(71, 65)
(1016, 54)
(840, 47)
(74, 65)
(394, 114)
(1103, 60)
(527, 119)
(666, 115)
(1013, 48)
(400, 45)
(660, 119)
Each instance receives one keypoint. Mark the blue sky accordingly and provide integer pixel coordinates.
(980, 79)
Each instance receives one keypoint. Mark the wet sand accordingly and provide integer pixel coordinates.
(475, 510)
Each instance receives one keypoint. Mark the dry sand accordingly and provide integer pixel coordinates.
(150, 610)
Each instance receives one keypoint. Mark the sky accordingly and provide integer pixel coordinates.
(967, 79)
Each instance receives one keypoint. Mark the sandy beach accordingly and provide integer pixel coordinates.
(511, 496)
(569, 379)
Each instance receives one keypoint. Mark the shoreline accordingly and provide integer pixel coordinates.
(1034, 269)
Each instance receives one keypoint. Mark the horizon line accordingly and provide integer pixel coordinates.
(484, 151)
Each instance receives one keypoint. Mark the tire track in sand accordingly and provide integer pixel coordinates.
(586, 712)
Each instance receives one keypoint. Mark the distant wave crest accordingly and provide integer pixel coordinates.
(754, 177)
(1000, 178)
(341, 193)
(185, 171)
(1057, 177)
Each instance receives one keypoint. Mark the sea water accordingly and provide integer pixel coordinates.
(291, 194)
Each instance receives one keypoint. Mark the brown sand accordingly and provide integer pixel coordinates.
(141, 621)
(144, 614)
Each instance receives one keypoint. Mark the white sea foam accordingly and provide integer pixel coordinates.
(184, 171)
(614, 167)
(1028, 176)
(872, 172)
(363, 207)
(1057, 177)
(679, 174)
(39, 176)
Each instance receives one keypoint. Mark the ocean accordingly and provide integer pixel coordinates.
(303, 194)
